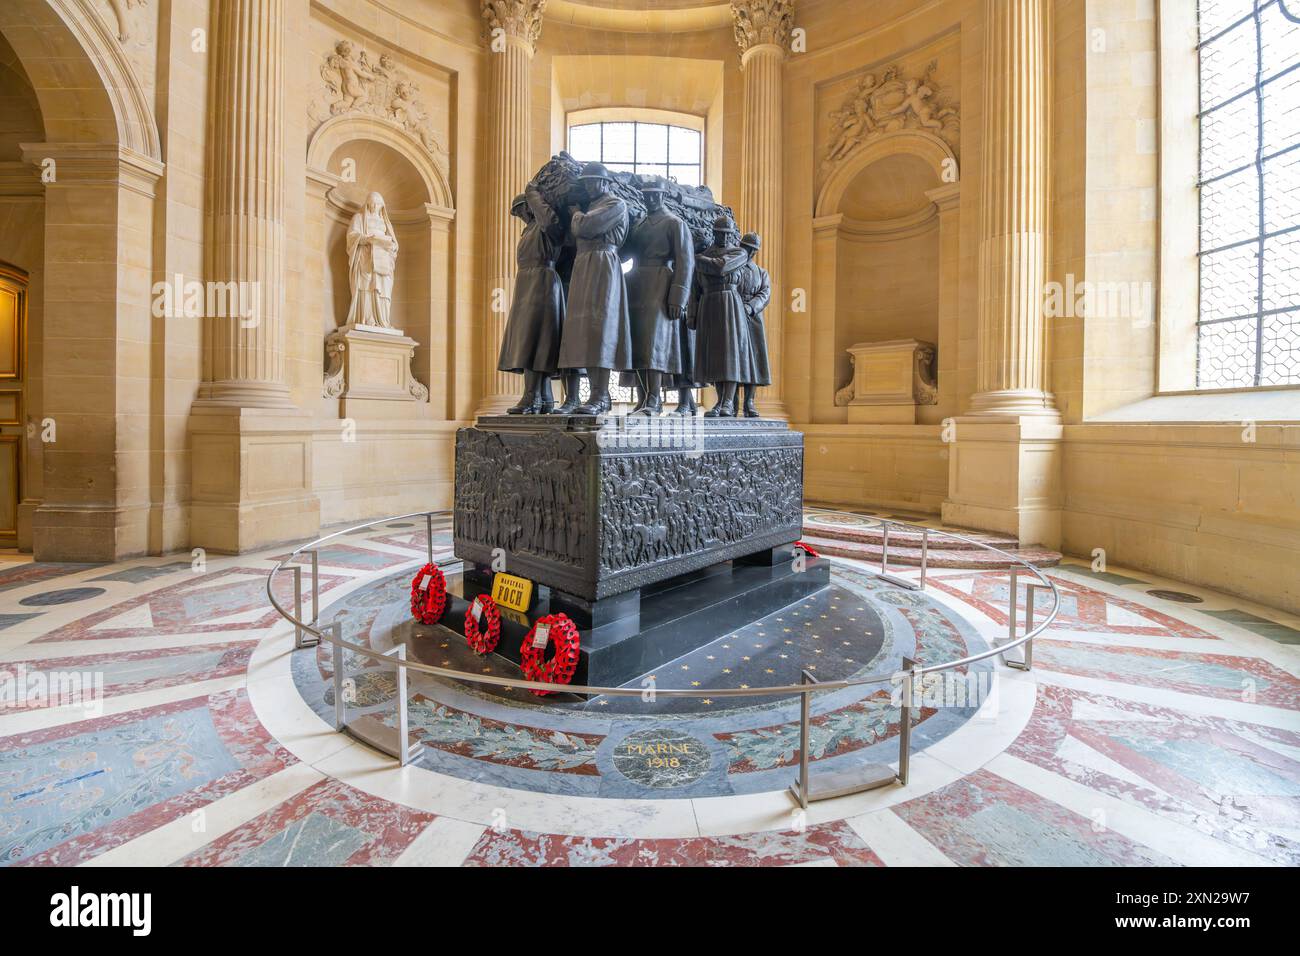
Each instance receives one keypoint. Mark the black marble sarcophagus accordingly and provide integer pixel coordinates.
(596, 507)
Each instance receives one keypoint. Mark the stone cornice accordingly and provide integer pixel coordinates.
(93, 162)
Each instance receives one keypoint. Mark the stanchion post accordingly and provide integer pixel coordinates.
(297, 606)
(805, 731)
(315, 587)
(340, 706)
(428, 538)
(925, 554)
(1012, 601)
(905, 721)
(403, 734)
(884, 552)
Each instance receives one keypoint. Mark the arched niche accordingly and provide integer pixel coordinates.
(885, 251)
(86, 87)
(348, 157)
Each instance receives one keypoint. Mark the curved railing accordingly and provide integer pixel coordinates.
(906, 676)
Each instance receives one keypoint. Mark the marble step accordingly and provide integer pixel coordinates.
(902, 555)
(900, 536)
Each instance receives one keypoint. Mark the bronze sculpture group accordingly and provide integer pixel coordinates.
(688, 313)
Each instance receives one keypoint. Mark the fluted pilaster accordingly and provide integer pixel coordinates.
(1013, 212)
(763, 35)
(511, 31)
(245, 338)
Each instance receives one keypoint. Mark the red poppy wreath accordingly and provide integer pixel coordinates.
(428, 594)
(480, 642)
(563, 633)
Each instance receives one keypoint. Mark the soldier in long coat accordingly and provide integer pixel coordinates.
(597, 330)
(658, 288)
(756, 293)
(531, 344)
(722, 356)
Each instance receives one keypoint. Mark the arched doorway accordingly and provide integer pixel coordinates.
(95, 159)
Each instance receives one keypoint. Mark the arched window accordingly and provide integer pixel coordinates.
(636, 147)
(1248, 333)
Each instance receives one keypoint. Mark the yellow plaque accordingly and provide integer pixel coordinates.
(512, 591)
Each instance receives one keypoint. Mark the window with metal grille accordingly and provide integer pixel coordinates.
(1248, 330)
(645, 148)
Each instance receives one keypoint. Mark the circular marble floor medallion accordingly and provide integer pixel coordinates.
(660, 758)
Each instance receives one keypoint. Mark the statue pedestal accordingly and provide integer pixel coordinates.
(368, 362)
(593, 507)
(654, 535)
(890, 380)
(638, 631)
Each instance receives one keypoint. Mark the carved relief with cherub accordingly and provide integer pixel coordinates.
(886, 102)
(356, 83)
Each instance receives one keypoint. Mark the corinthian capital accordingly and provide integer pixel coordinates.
(762, 21)
(520, 19)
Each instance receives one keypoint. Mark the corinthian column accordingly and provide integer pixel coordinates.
(244, 346)
(763, 34)
(1013, 212)
(511, 30)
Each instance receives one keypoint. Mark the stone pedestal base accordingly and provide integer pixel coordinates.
(1005, 476)
(594, 507)
(252, 478)
(371, 363)
(630, 634)
(890, 380)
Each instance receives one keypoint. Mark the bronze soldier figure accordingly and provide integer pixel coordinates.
(722, 345)
(658, 287)
(597, 330)
(531, 344)
(756, 293)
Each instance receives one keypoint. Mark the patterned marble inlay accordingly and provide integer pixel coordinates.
(834, 844)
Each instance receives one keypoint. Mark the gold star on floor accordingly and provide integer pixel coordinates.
(744, 658)
(726, 647)
(686, 667)
(769, 671)
(789, 642)
(784, 656)
(744, 687)
(847, 643)
(695, 683)
(787, 630)
(812, 667)
(758, 647)
(444, 645)
(726, 670)
(706, 701)
(709, 657)
(817, 650)
(603, 703)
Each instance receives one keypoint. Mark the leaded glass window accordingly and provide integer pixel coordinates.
(1249, 323)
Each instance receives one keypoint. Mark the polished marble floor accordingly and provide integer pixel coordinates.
(155, 712)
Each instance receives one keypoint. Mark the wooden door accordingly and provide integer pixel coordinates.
(13, 344)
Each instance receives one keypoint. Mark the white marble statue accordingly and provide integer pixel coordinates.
(372, 257)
